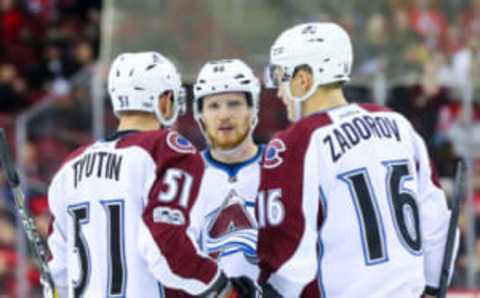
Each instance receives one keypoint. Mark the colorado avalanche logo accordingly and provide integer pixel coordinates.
(179, 143)
(272, 158)
(231, 229)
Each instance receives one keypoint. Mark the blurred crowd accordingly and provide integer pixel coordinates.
(416, 56)
(421, 36)
(43, 45)
(43, 41)
(430, 57)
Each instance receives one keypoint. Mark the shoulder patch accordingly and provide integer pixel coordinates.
(272, 158)
(179, 143)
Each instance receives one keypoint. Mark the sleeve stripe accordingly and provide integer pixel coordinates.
(162, 270)
(303, 262)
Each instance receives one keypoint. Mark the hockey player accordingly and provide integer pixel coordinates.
(121, 205)
(348, 204)
(226, 102)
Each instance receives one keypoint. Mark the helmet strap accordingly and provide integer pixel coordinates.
(176, 108)
(297, 110)
(254, 120)
(298, 100)
(203, 130)
(161, 118)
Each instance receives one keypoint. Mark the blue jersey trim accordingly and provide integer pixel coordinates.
(323, 200)
(161, 291)
(232, 169)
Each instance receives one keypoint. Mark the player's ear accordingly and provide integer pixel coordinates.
(305, 79)
(166, 104)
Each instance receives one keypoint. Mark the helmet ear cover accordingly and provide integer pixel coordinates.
(167, 92)
(304, 67)
(307, 68)
(249, 98)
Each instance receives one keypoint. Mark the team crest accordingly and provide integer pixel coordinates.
(231, 229)
(179, 144)
(272, 158)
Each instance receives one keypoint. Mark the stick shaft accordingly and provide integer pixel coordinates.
(35, 242)
(458, 195)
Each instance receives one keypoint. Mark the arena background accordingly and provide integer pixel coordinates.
(419, 57)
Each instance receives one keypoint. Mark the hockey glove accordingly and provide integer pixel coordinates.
(244, 286)
(238, 287)
(269, 292)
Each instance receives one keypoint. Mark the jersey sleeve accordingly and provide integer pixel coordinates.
(57, 240)
(166, 240)
(434, 215)
(287, 213)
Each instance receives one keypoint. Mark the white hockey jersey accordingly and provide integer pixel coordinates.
(226, 225)
(121, 211)
(349, 207)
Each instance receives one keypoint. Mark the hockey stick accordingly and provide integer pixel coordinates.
(37, 247)
(458, 196)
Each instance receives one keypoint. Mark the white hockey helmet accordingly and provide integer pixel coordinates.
(221, 76)
(136, 80)
(324, 47)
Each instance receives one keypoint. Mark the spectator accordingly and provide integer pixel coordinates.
(421, 102)
(13, 89)
(45, 10)
(53, 64)
(39, 209)
(401, 42)
(466, 61)
(471, 19)
(373, 51)
(7, 254)
(12, 21)
(428, 21)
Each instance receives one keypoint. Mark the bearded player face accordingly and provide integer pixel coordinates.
(227, 119)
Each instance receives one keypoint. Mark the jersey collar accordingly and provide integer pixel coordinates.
(119, 134)
(233, 168)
